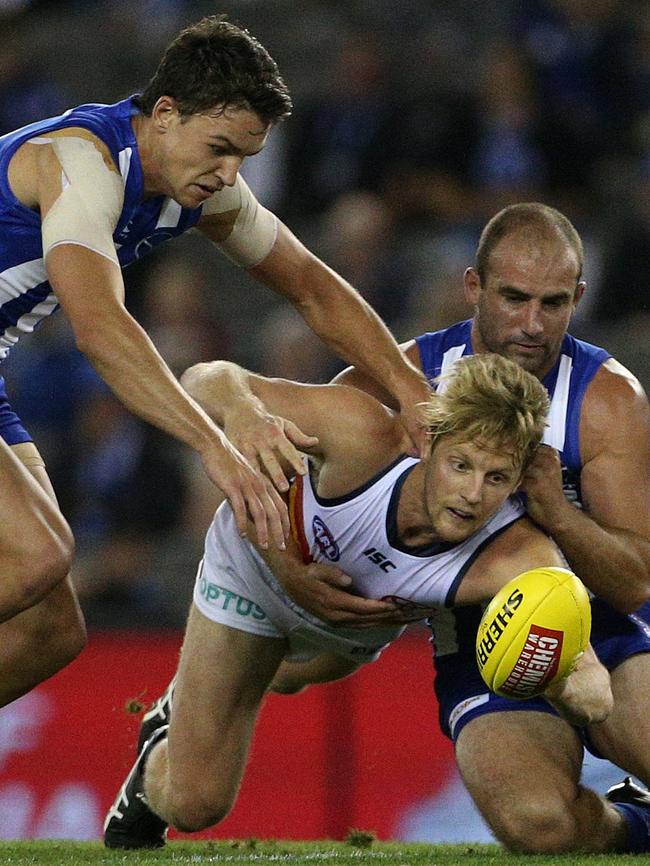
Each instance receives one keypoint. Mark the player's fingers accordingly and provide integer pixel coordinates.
(274, 470)
(278, 517)
(258, 515)
(238, 505)
(331, 576)
(299, 439)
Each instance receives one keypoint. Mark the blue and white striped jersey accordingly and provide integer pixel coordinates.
(26, 297)
(566, 384)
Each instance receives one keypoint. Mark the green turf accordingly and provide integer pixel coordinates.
(295, 853)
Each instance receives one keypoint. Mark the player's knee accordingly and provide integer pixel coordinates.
(539, 826)
(195, 810)
(57, 629)
(49, 566)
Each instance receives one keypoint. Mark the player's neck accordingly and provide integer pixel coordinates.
(413, 521)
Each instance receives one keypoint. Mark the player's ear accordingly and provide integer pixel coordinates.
(163, 112)
(580, 290)
(472, 284)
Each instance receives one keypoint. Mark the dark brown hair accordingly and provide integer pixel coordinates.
(214, 64)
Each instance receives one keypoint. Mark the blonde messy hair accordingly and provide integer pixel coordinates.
(492, 401)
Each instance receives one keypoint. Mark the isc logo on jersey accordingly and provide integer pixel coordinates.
(533, 632)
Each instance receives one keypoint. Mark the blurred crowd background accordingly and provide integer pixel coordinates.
(414, 122)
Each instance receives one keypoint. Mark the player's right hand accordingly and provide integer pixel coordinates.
(269, 443)
(322, 590)
(249, 492)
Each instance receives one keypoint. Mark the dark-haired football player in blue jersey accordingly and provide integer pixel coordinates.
(589, 489)
(85, 194)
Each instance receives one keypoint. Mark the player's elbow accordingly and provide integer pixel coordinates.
(51, 559)
(190, 378)
(635, 594)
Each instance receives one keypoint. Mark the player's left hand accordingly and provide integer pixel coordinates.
(542, 484)
(269, 443)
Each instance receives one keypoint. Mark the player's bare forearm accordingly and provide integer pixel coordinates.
(344, 321)
(323, 590)
(127, 360)
(613, 563)
(219, 387)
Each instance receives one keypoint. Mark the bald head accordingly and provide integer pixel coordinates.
(535, 227)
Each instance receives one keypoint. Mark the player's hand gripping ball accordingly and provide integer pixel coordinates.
(533, 632)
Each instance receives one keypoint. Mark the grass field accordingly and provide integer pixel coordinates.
(257, 853)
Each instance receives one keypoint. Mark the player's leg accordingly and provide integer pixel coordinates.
(188, 772)
(624, 737)
(292, 677)
(192, 777)
(41, 640)
(522, 770)
(623, 644)
(35, 540)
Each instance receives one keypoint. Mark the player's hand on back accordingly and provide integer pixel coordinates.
(249, 492)
(270, 443)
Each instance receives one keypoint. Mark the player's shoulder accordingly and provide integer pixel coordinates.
(615, 388)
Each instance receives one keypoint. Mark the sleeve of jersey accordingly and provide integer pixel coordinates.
(255, 228)
(91, 200)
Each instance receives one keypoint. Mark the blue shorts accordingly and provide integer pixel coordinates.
(11, 428)
(463, 696)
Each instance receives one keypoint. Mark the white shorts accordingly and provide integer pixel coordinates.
(235, 587)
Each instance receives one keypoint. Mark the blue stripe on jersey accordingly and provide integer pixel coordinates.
(585, 360)
(25, 303)
(434, 344)
(142, 225)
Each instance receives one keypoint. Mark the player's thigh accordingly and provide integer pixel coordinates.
(222, 678)
(624, 737)
(512, 762)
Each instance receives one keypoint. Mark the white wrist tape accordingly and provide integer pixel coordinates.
(255, 229)
(89, 206)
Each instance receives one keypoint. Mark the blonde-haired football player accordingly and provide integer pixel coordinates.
(438, 531)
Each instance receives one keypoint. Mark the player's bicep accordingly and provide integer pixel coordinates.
(80, 192)
(339, 416)
(615, 477)
(239, 225)
(616, 491)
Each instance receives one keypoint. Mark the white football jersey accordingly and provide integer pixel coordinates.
(358, 533)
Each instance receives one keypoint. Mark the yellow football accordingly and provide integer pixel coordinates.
(533, 632)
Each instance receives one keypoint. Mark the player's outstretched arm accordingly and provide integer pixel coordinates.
(90, 291)
(345, 322)
(79, 193)
(36, 545)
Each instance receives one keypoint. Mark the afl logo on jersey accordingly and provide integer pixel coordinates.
(324, 540)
